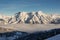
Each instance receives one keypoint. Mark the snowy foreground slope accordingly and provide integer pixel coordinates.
(31, 18)
(57, 37)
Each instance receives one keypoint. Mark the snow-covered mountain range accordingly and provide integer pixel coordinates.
(31, 18)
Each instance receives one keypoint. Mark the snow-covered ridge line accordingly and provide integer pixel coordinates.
(31, 18)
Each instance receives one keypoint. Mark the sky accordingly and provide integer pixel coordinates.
(10, 7)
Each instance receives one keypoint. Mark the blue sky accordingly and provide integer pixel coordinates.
(9, 7)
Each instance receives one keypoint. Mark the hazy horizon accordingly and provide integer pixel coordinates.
(10, 7)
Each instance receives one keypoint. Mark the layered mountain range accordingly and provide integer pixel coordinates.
(31, 18)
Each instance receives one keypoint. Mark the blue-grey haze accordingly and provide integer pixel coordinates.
(9, 7)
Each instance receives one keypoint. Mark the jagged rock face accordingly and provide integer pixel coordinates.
(32, 18)
(44, 18)
(20, 17)
(23, 17)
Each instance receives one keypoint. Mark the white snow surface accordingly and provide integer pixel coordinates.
(57, 37)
